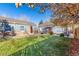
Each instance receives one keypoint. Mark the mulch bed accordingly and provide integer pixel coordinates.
(74, 47)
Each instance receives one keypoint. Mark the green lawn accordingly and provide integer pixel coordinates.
(35, 46)
(51, 46)
(10, 46)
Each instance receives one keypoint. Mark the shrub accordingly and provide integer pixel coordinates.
(50, 32)
(61, 35)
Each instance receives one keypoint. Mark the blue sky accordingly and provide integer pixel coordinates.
(33, 15)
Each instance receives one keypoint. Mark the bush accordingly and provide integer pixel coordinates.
(50, 32)
(61, 35)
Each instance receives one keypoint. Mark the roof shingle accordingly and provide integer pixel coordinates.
(17, 21)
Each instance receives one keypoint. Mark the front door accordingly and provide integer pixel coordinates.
(31, 29)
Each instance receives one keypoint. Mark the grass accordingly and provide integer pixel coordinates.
(58, 46)
(11, 46)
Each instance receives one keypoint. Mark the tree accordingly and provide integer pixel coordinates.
(66, 11)
(41, 22)
(69, 12)
(33, 5)
(61, 10)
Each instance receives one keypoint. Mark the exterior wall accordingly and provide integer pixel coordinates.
(55, 29)
(45, 29)
(26, 30)
(58, 30)
(20, 30)
(41, 29)
(18, 27)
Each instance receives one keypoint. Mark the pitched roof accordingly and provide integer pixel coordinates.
(46, 24)
(17, 21)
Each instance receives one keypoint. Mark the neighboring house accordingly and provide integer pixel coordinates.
(71, 29)
(58, 30)
(45, 27)
(50, 26)
(20, 27)
(69, 25)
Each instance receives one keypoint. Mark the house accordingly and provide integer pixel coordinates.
(58, 30)
(21, 27)
(45, 27)
(67, 27)
(71, 26)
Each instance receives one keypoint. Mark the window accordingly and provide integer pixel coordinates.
(21, 27)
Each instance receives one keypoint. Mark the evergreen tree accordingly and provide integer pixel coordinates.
(41, 22)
